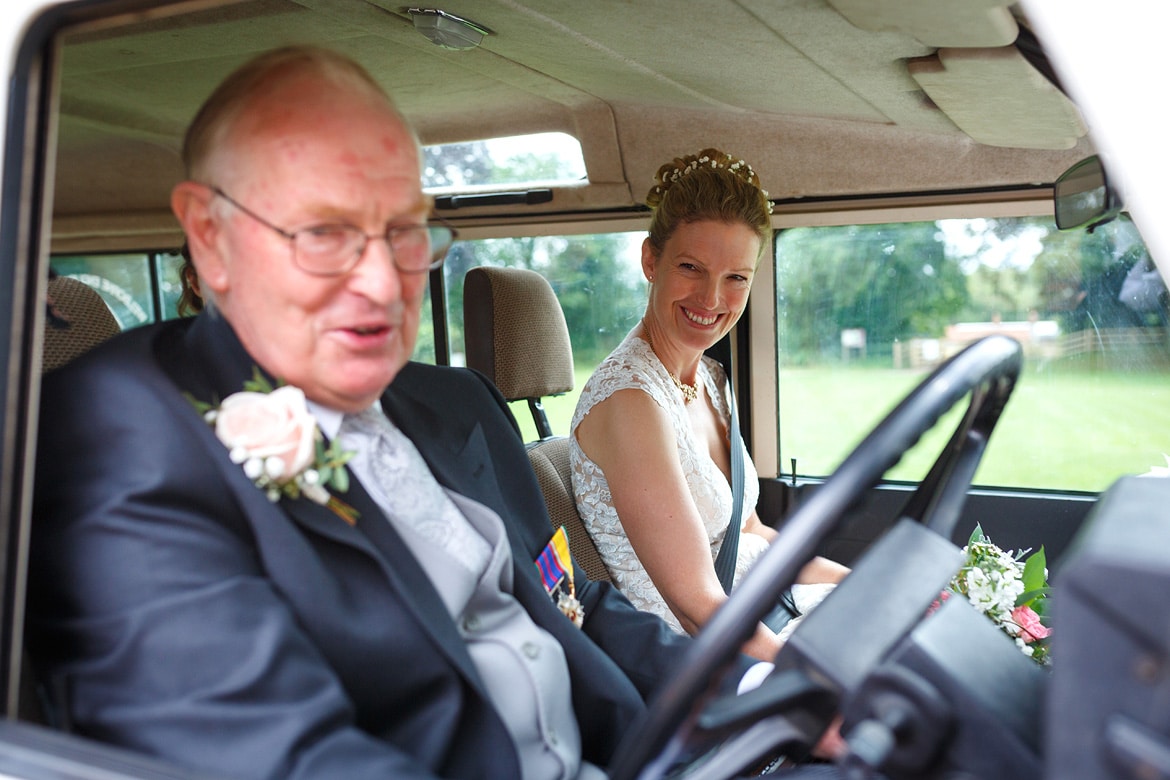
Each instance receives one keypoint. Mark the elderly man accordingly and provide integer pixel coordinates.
(244, 598)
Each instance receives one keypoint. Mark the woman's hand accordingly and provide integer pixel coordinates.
(820, 570)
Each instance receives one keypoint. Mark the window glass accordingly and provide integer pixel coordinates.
(139, 288)
(170, 288)
(424, 346)
(596, 278)
(544, 158)
(123, 281)
(865, 311)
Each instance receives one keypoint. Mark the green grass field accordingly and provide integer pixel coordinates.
(1063, 430)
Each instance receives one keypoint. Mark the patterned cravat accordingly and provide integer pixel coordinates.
(412, 495)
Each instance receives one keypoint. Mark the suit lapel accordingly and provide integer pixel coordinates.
(211, 363)
(375, 535)
(219, 367)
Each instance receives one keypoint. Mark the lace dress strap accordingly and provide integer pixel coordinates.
(631, 366)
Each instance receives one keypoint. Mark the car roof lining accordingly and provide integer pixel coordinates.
(825, 104)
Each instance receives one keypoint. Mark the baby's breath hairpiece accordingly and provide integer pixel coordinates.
(708, 158)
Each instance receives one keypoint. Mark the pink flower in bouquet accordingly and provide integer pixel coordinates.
(937, 603)
(1031, 628)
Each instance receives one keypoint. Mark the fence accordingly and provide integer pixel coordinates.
(1150, 344)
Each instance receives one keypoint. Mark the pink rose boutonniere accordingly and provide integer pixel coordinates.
(272, 435)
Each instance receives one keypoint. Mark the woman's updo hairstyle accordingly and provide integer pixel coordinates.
(711, 185)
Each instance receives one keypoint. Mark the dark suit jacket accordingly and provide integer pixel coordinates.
(175, 610)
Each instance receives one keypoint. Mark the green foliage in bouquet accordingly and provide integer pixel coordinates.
(1011, 590)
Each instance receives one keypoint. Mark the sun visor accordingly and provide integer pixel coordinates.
(998, 98)
(974, 23)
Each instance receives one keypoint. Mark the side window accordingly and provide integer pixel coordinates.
(867, 310)
(598, 281)
(543, 158)
(139, 288)
(424, 345)
(169, 287)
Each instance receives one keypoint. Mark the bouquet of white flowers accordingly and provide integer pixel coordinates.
(1010, 589)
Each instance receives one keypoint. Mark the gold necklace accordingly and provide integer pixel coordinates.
(689, 392)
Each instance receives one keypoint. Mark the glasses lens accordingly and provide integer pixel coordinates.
(327, 249)
(420, 248)
(441, 238)
(412, 248)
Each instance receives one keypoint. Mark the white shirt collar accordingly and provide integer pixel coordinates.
(328, 420)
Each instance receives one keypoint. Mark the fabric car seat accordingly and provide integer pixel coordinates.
(515, 333)
(86, 321)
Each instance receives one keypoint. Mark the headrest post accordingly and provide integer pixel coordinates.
(543, 429)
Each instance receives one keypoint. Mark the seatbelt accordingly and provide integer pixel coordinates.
(725, 561)
(729, 549)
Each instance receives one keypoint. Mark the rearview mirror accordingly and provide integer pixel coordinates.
(1083, 197)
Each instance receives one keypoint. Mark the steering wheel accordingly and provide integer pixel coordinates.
(986, 371)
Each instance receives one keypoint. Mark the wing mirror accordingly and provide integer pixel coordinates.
(1083, 196)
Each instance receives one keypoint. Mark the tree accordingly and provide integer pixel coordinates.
(594, 277)
(602, 293)
(893, 280)
(1081, 274)
(453, 165)
(477, 163)
(998, 256)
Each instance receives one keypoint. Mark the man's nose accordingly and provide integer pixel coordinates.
(376, 273)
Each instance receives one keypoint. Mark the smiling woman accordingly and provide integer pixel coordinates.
(658, 466)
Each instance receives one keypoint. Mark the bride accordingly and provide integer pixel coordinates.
(650, 439)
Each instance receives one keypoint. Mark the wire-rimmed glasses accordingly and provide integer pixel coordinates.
(332, 249)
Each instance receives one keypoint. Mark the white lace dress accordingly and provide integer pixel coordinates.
(633, 365)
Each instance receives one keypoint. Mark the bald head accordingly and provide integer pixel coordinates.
(259, 85)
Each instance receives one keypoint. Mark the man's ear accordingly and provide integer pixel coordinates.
(191, 203)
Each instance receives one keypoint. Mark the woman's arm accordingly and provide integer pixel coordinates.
(821, 570)
(754, 525)
(633, 442)
(817, 570)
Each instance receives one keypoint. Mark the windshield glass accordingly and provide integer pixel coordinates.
(866, 311)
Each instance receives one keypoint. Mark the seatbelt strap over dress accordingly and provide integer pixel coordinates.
(785, 610)
(729, 549)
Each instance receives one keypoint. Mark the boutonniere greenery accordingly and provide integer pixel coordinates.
(271, 434)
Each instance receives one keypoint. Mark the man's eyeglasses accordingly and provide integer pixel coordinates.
(334, 249)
